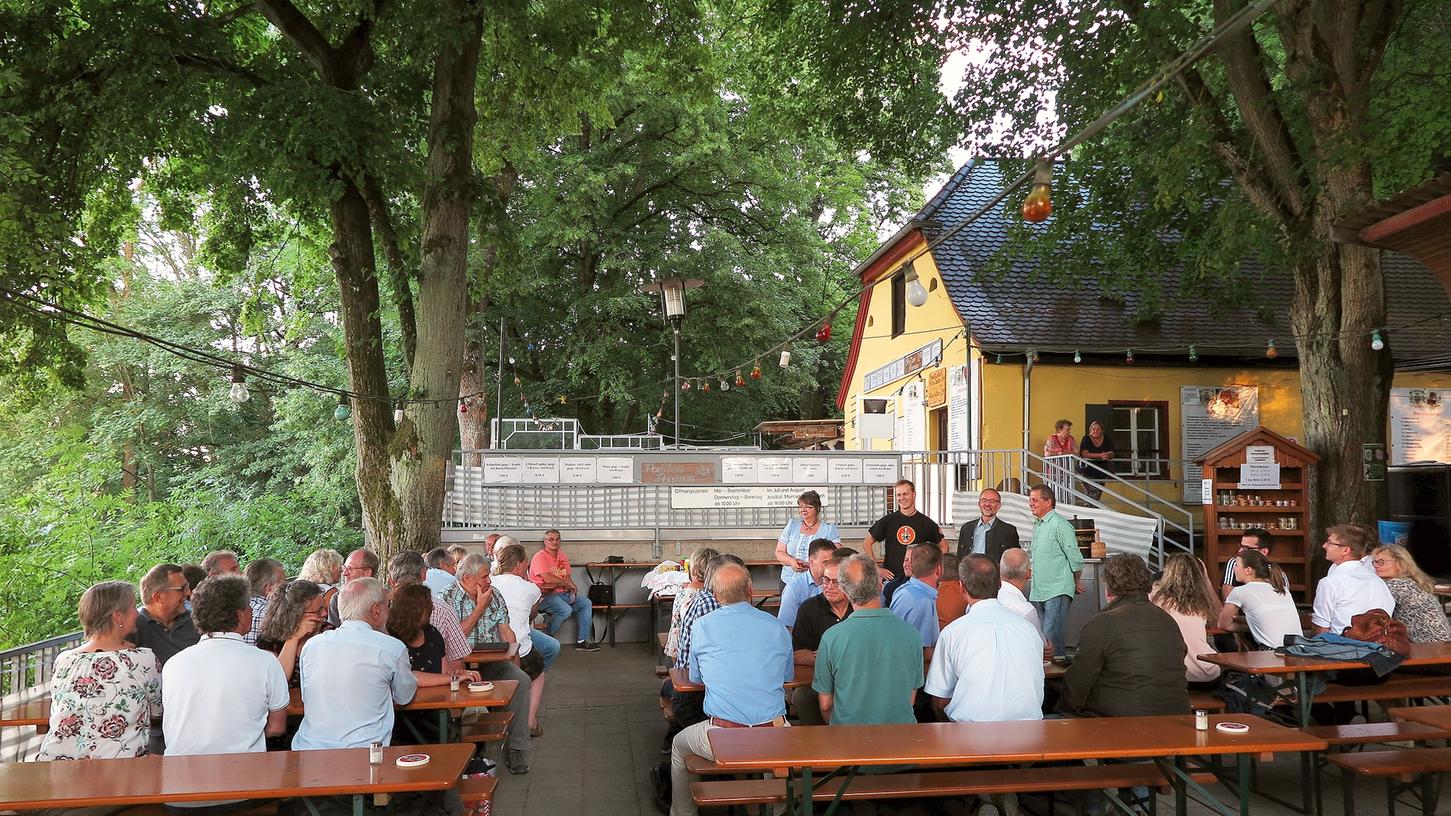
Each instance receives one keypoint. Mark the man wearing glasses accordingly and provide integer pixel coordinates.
(360, 563)
(816, 615)
(1252, 539)
(1350, 587)
(987, 535)
(162, 623)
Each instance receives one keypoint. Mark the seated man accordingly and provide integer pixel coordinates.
(988, 665)
(353, 675)
(441, 570)
(869, 666)
(484, 617)
(360, 563)
(222, 696)
(807, 585)
(221, 562)
(1350, 587)
(686, 706)
(262, 575)
(817, 615)
(560, 598)
(407, 567)
(743, 658)
(1016, 570)
(1130, 656)
(950, 603)
(162, 624)
(916, 600)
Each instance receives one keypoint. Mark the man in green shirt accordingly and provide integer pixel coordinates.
(869, 666)
(1057, 566)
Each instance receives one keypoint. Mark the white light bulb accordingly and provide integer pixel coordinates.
(916, 295)
(398, 415)
(786, 358)
(239, 393)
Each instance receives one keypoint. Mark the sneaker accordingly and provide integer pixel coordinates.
(586, 646)
(515, 762)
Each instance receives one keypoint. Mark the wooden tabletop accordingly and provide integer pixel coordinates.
(219, 777)
(946, 744)
(1436, 715)
(680, 679)
(494, 656)
(1267, 662)
(433, 698)
(35, 712)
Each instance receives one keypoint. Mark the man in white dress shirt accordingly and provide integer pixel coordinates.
(353, 675)
(1016, 569)
(1350, 587)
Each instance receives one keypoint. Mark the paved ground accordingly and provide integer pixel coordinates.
(602, 732)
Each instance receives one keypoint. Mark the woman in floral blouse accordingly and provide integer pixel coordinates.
(1415, 594)
(104, 692)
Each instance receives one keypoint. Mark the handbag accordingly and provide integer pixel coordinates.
(601, 594)
(1375, 626)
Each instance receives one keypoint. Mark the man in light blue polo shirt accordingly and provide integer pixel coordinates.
(743, 658)
(807, 585)
(916, 601)
(353, 675)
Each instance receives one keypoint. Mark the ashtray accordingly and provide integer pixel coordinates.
(480, 688)
(1232, 727)
(412, 760)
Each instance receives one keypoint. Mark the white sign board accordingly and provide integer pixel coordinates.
(1206, 491)
(541, 470)
(914, 419)
(1420, 425)
(773, 470)
(879, 471)
(845, 471)
(1259, 476)
(615, 470)
(808, 471)
(738, 470)
(1259, 454)
(725, 497)
(959, 410)
(503, 470)
(1210, 416)
(576, 470)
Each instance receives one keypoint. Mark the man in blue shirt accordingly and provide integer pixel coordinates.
(807, 585)
(353, 675)
(916, 601)
(743, 658)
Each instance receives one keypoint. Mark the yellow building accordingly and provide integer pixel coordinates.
(994, 364)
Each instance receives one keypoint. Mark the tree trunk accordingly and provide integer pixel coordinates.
(355, 266)
(473, 427)
(420, 460)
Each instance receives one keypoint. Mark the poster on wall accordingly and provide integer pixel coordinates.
(914, 419)
(1210, 416)
(958, 410)
(1420, 425)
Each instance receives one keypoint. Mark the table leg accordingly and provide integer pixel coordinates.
(443, 729)
(1309, 781)
(805, 792)
(1181, 789)
(357, 804)
(1244, 777)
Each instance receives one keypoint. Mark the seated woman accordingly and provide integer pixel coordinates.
(104, 692)
(1415, 594)
(296, 610)
(409, 608)
(323, 567)
(1185, 593)
(1263, 596)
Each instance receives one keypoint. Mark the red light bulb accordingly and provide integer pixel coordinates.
(823, 334)
(1038, 205)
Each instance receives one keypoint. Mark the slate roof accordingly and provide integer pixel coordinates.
(1017, 311)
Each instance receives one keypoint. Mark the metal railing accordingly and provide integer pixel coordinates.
(25, 673)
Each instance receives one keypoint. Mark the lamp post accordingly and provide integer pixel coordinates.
(672, 297)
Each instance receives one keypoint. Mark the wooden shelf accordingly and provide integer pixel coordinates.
(1235, 486)
(1225, 532)
(1230, 509)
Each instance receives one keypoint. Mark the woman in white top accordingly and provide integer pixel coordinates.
(325, 568)
(537, 650)
(1185, 593)
(1264, 598)
(795, 540)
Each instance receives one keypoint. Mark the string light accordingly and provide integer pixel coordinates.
(1039, 203)
(916, 295)
(1193, 354)
(1000, 359)
(342, 412)
(1270, 351)
(1033, 355)
(685, 385)
(740, 381)
(238, 392)
(725, 385)
(398, 414)
(756, 371)
(786, 356)
(463, 405)
(823, 334)
(1129, 357)
(1077, 357)
(705, 387)
(1376, 343)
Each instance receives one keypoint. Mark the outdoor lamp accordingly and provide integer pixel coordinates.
(238, 393)
(916, 295)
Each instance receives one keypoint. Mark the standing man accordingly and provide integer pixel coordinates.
(915, 602)
(743, 658)
(162, 624)
(806, 585)
(262, 575)
(987, 535)
(899, 530)
(817, 615)
(1057, 566)
(1254, 538)
(868, 668)
(549, 570)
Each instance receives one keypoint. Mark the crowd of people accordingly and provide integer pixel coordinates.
(203, 660)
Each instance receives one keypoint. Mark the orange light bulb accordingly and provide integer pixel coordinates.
(1038, 205)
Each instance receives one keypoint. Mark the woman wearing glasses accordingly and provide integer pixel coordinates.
(1415, 594)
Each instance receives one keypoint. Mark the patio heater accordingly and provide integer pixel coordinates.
(672, 297)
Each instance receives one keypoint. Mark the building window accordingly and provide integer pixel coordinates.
(899, 303)
(1141, 437)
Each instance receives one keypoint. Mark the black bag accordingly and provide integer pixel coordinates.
(660, 778)
(1263, 696)
(602, 594)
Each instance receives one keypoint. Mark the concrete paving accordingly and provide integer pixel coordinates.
(602, 733)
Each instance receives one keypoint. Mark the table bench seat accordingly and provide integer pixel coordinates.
(1398, 762)
(1394, 688)
(477, 789)
(1369, 733)
(1206, 701)
(735, 792)
(491, 726)
(260, 809)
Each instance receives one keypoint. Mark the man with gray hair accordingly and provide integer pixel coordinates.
(743, 658)
(484, 617)
(221, 562)
(262, 575)
(408, 568)
(686, 706)
(441, 570)
(353, 675)
(1017, 569)
(869, 666)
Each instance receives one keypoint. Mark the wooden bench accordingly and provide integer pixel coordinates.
(1206, 701)
(476, 790)
(1362, 734)
(259, 809)
(738, 792)
(491, 726)
(1395, 687)
(1403, 769)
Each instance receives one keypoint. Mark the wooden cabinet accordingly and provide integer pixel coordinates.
(1259, 479)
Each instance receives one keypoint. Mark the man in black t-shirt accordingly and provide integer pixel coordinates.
(901, 529)
(816, 615)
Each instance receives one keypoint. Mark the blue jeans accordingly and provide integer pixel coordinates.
(547, 647)
(1054, 613)
(560, 605)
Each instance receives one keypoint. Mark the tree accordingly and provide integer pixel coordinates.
(1258, 150)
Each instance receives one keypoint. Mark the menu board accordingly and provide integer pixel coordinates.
(773, 470)
(879, 471)
(845, 471)
(1213, 415)
(615, 470)
(576, 469)
(810, 470)
(738, 470)
(1420, 425)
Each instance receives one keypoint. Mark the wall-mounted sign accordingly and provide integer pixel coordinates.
(959, 409)
(576, 469)
(1420, 425)
(773, 470)
(615, 470)
(902, 366)
(1259, 454)
(503, 470)
(725, 497)
(541, 470)
(845, 471)
(1259, 476)
(808, 470)
(879, 471)
(738, 470)
(1373, 462)
(936, 387)
(677, 472)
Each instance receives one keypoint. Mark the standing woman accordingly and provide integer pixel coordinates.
(1186, 594)
(1060, 442)
(1263, 595)
(796, 538)
(104, 692)
(1097, 448)
(1415, 594)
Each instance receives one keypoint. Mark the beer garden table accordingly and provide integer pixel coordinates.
(439, 698)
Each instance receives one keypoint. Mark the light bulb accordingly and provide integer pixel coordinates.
(463, 406)
(705, 386)
(1033, 353)
(238, 392)
(1077, 357)
(1000, 359)
(1270, 351)
(1038, 205)
(756, 371)
(740, 381)
(342, 412)
(785, 358)
(1129, 357)
(823, 334)
(398, 414)
(685, 385)
(1193, 354)
(725, 384)
(1376, 343)
(916, 295)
